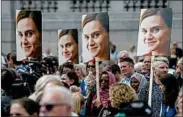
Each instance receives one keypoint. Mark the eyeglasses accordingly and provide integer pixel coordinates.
(91, 66)
(15, 114)
(49, 107)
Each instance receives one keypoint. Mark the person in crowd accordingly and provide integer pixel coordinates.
(115, 69)
(17, 64)
(50, 64)
(8, 76)
(121, 95)
(122, 54)
(90, 79)
(132, 53)
(68, 44)
(105, 65)
(9, 61)
(66, 67)
(56, 101)
(138, 67)
(180, 103)
(178, 51)
(74, 89)
(90, 67)
(138, 82)
(29, 29)
(44, 82)
(179, 72)
(113, 53)
(96, 34)
(80, 70)
(160, 69)
(146, 67)
(70, 78)
(172, 58)
(97, 106)
(4, 61)
(127, 68)
(24, 107)
(47, 53)
(170, 89)
(155, 28)
(78, 102)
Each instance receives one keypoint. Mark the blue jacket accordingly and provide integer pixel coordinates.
(168, 111)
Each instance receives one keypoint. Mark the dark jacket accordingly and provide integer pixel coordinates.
(100, 111)
(6, 99)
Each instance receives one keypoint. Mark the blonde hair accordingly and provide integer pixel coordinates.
(121, 93)
(78, 101)
(41, 83)
(82, 67)
(180, 61)
(158, 60)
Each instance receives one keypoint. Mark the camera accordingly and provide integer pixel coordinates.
(27, 76)
(50, 64)
(135, 108)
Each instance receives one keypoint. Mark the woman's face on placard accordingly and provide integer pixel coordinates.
(155, 32)
(30, 37)
(68, 47)
(97, 38)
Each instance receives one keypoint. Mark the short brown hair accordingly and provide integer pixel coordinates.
(29, 105)
(165, 13)
(72, 32)
(35, 15)
(103, 18)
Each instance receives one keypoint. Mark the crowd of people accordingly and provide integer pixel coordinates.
(31, 88)
(99, 81)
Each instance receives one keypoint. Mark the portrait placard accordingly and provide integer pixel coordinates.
(95, 37)
(155, 32)
(68, 46)
(28, 34)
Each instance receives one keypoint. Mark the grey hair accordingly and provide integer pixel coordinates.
(64, 93)
(158, 60)
(180, 61)
(138, 67)
(82, 67)
(40, 85)
(121, 53)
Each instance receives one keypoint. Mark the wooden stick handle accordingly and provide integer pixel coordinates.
(97, 79)
(150, 83)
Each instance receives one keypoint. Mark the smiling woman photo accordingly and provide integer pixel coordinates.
(29, 34)
(155, 31)
(68, 46)
(96, 36)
